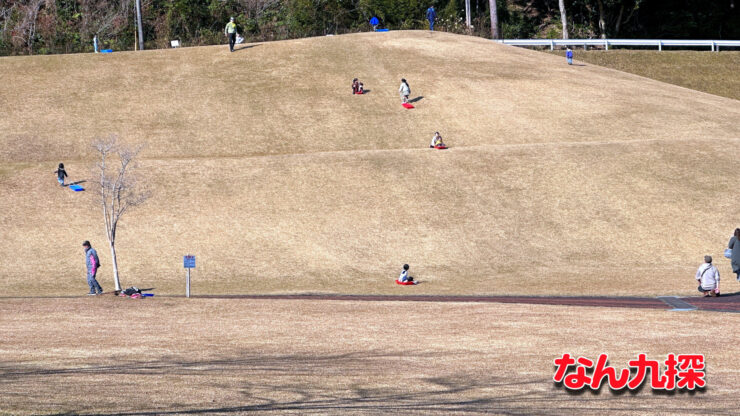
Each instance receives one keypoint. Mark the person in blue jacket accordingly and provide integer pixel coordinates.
(431, 16)
(569, 56)
(374, 22)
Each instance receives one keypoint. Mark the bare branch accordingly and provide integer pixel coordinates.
(118, 187)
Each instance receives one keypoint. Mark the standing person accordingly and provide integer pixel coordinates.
(734, 245)
(230, 32)
(61, 174)
(569, 56)
(431, 16)
(404, 90)
(93, 263)
(708, 278)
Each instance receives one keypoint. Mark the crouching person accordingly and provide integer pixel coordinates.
(708, 277)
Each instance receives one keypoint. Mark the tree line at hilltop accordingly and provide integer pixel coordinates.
(67, 26)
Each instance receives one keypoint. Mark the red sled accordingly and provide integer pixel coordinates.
(359, 93)
(407, 105)
(440, 147)
(405, 283)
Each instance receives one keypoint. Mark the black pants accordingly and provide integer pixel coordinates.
(232, 41)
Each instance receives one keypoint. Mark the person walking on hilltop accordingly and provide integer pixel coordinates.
(734, 245)
(230, 32)
(431, 16)
(93, 263)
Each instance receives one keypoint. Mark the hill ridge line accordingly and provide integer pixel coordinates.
(419, 149)
(480, 146)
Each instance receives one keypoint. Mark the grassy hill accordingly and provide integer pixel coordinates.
(560, 180)
(715, 73)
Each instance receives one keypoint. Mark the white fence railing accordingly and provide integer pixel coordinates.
(714, 45)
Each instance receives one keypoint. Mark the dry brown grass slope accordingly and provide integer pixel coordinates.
(715, 73)
(561, 180)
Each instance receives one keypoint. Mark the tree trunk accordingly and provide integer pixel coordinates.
(114, 263)
(467, 14)
(494, 19)
(619, 21)
(563, 18)
(602, 20)
(138, 21)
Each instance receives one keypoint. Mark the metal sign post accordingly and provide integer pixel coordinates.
(189, 263)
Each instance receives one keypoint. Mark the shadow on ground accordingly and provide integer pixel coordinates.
(302, 384)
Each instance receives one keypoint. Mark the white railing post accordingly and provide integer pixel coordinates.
(714, 45)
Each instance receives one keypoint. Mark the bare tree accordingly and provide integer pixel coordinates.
(563, 18)
(118, 187)
(104, 17)
(494, 19)
(254, 9)
(23, 31)
(602, 18)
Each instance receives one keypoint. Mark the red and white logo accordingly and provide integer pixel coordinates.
(677, 372)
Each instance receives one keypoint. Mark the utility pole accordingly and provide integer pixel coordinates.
(138, 24)
(467, 13)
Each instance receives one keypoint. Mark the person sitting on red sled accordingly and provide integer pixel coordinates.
(357, 87)
(404, 278)
(437, 142)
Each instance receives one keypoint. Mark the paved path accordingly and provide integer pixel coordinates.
(726, 303)
(722, 304)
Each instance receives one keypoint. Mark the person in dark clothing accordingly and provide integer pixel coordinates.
(431, 16)
(93, 263)
(734, 245)
(61, 174)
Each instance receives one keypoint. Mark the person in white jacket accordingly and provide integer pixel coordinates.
(708, 277)
(404, 90)
(404, 277)
(436, 141)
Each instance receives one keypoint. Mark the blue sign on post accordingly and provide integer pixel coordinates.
(189, 263)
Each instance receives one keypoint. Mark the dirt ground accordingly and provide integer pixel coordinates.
(107, 355)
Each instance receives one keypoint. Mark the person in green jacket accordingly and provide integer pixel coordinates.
(230, 32)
